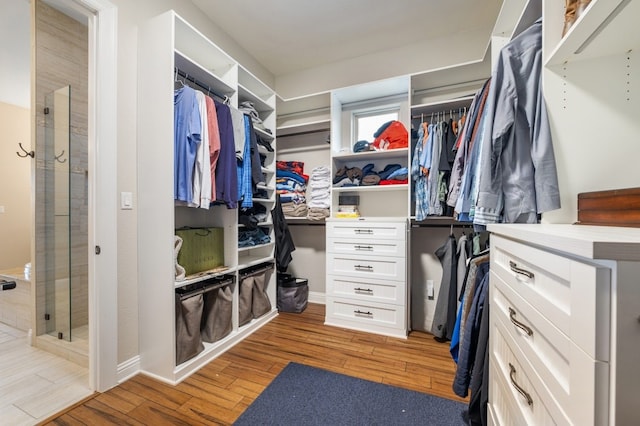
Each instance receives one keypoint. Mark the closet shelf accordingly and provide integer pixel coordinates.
(303, 221)
(605, 28)
(371, 188)
(269, 223)
(200, 73)
(446, 106)
(248, 261)
(263, 200)
(400, 153)
(265, 135)
(244, 94)
(243, 249)
(438, 221)
(264, 187)
(201, 276)
(304, 128)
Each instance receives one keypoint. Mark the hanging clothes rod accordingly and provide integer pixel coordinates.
(256, 269)
(203, 86)
(184, 293)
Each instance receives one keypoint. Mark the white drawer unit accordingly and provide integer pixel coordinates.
(564, 325)
(376, 317)
(367, 275)
(359, 266)
(380, 247)
(376, 290)
(365, 229)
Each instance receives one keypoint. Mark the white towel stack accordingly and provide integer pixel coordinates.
(319, 193)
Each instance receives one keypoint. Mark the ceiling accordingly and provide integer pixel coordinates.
(294, 35)
(286, 36)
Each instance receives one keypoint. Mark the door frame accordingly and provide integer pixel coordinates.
(102, 233)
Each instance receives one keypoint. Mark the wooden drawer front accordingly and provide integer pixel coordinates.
(372, 231)
(374, 314)
(507, 371)
(383, 291)
(572, 295)
(572, 376)
(380, 267)
(380, 247)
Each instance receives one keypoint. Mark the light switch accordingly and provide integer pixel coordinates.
(430, 289)
(1, 209)
(126, 200)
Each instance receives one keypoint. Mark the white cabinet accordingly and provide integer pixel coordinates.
(589, 74)
(564, 324)
(168, 46)
(367, 275)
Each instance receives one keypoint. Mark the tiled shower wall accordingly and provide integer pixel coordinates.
(61, 59)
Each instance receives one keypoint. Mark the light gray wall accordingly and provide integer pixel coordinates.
(423, 56)
(15, 189)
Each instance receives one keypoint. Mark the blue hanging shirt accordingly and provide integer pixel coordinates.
(187, 136)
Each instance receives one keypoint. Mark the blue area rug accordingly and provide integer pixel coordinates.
(303, 395)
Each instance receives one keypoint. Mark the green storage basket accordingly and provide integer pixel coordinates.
(202, 249)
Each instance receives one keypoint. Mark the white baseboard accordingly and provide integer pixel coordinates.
(315, 297)
(128, 369)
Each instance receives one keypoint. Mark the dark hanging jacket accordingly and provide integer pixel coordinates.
(444, 317)
(284, 242)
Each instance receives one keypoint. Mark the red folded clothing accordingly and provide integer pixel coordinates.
(394, 182)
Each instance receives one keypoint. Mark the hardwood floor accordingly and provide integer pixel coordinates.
(219, 392)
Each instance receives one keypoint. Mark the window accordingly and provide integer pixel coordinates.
(366, 124)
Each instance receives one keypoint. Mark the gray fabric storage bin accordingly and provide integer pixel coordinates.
(245, 298)
(253, 301)
(260, 300)
(188, 318)
(293, 295)
(217, 314)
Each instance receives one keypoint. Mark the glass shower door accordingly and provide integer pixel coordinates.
(58, 213)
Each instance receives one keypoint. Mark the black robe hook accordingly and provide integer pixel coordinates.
(25, 152)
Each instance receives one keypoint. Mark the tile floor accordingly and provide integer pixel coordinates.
(35, 384)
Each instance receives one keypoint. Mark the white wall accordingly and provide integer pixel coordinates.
(423, 56)
(15, 189)
(15, 79)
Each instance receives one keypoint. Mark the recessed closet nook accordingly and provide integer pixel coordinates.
(562, 336)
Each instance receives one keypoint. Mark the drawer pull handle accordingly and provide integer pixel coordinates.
(359, 312)
(368, 248)
(363, 231)
(525, 328)
(514, 267)
(363, 290)
(363, 267)
(518, 387)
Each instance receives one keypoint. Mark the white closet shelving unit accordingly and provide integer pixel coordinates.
(167, 42)
(375, 201)
(591, 87)
(303, 128)
(263, 99)
(367, 278)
